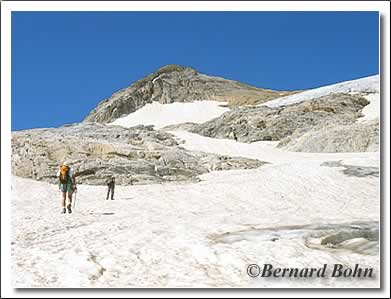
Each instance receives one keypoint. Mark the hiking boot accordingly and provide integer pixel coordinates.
(69, 209)
(64, 211)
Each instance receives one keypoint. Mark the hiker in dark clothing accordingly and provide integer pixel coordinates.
(110, 187)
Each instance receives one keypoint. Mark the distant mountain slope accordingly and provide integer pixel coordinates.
(343, 117)
(174, 83)
(369, 84)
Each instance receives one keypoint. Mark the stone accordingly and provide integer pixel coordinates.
(138, 155)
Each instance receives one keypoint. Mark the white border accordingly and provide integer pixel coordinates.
(8, 7)
(196, 5)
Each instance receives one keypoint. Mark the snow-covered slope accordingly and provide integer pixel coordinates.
(364, 85)
(206, 234)
(161, 115)
(372, 110)
(199, 235)
(267, 151)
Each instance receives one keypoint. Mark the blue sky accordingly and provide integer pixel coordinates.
(64, 63)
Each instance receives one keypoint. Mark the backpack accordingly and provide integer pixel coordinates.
(64, 174)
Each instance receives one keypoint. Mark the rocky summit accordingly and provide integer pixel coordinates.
(174, 83)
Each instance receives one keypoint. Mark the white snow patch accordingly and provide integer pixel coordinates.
(372, 110)
(161, 115)
(364, 85)
(268, 152)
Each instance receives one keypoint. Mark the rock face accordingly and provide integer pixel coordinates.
(175, 83)
(355, 137)
(250, 124)
(138, 155)
(325, 124)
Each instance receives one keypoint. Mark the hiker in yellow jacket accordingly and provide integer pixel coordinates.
(67, 184)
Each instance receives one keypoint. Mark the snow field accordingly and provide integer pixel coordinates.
(161, 115)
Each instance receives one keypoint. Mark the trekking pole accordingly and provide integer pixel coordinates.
(74, 201)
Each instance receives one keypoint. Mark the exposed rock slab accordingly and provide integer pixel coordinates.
(137, 155)
(355, 137)
(250, 124)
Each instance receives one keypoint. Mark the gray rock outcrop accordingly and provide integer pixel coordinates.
(250, 124)
(138, 155)
(174, 83)
(355, 137)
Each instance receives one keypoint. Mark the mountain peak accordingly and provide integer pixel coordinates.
(176, 83)
(173, 68)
